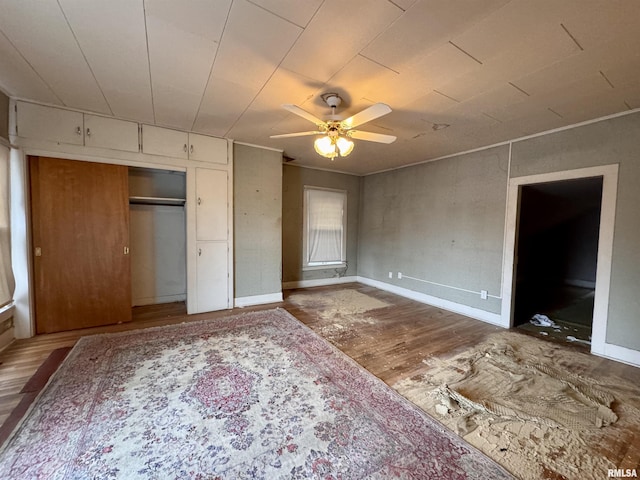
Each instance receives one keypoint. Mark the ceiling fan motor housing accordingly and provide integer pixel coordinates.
(332, 99)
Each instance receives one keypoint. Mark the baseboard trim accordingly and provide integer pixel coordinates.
(619, 354)
(241, 302)
(319, 282)
(482, 315)
(139, 302)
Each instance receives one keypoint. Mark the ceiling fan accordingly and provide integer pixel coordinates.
(337, 134)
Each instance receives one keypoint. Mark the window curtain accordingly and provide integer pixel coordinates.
(7, 283)
(325, 227)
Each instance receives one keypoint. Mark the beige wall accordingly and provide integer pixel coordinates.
(294, 180)
(614, 141)
(257, 190)
(441, 223)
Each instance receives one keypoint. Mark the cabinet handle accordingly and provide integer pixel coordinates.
(78, 131)
(126, 250)
(191, 149)
(185, 147)
(199, 252)
(88, 132)
(199, 201)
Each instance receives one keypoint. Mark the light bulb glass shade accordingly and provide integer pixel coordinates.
(325, 147)
(345, 146)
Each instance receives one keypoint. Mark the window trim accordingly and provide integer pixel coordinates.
(305, 230)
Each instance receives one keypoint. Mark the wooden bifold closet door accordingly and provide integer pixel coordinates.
(80, 227)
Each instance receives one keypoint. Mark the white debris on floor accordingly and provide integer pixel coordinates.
(514, 398)
(540, 320)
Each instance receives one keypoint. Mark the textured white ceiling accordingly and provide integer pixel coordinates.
(492, 69)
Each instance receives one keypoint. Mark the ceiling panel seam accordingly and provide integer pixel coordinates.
(447, 96)
(283, 18)
(213, 63)
(146, 36)
(519, 89)
(45, 83)
(377, 63)
(466, 53)
(364, 47)
(554, 112)
(606, 79)
(265, 82)
(571, 36)
(85, 57)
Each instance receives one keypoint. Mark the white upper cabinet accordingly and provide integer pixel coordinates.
(188, 146)
(207, 149)
(63, 126)
(165, 141)
(48, 123)
(105, 132)
(75, 128)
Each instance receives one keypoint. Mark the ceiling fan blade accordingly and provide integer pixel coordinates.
(372, 137)
(374, 111)
(297, 134)
(303, 113)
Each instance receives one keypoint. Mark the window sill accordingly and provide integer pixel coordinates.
(6, 312)
(324, 267)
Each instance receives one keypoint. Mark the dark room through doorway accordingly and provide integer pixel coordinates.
(556, 258)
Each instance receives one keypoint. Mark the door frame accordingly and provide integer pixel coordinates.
(609, 174)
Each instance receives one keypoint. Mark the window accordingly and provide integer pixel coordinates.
(325, 228)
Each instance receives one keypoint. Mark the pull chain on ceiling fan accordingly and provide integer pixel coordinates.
(337, 134)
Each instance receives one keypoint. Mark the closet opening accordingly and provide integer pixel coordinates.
(157, 229)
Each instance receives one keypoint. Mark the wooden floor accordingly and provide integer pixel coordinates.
(391, 346)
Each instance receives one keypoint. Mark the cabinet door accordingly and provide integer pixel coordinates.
(49, 123)
(105, 132)
(164, 141)
(80, 228)
(207, 149)
(211, 204)
(212, 276)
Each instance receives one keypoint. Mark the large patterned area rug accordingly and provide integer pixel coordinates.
(257, 395)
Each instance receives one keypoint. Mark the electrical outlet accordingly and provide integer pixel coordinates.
(483, 294)
(390, 274)
(399, 275)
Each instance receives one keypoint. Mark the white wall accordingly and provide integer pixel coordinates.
(158, 254)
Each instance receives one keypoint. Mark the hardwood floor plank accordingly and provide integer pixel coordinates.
(392, 344)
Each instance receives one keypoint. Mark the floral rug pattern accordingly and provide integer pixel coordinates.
(253, 396)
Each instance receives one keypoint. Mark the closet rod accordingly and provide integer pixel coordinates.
(170, 202)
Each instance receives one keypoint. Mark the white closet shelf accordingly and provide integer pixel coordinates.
(156, 201)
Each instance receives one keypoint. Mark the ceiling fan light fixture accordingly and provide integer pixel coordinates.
(325, 147)
(336, 134)
(331, 146)
(345, 146)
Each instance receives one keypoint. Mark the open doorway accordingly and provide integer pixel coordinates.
(557, 256)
